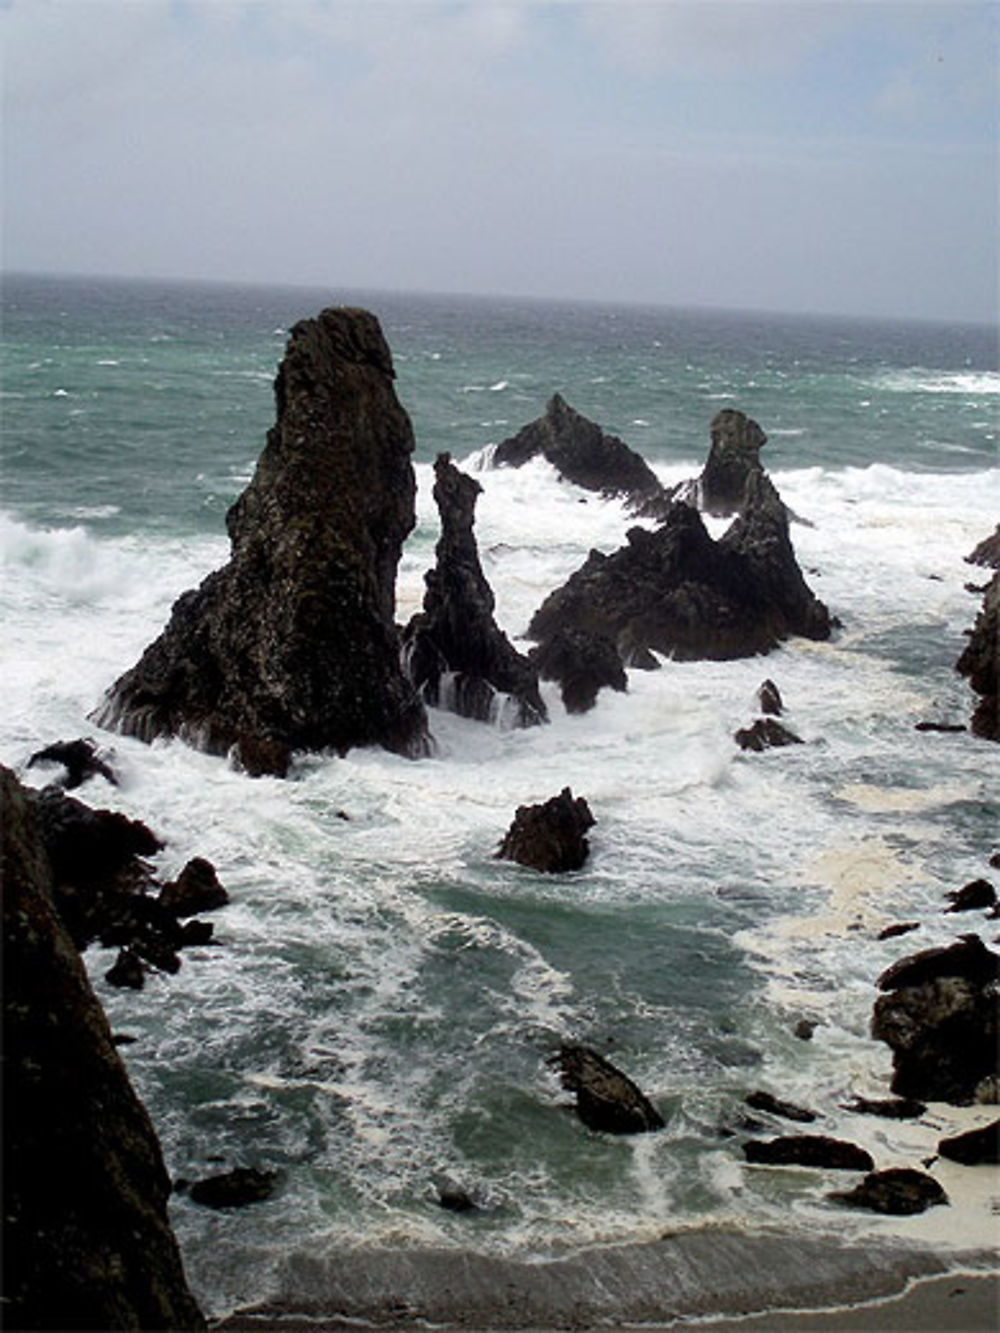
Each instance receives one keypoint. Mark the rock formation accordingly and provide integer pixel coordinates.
(766, 1101)
(765, 734)
(817, 1150)
(976, 1147)
(454, 652)
(80, 760)
(551, 836)
(676, 591)
(900, 1191)
(606, 1099)
(582, 453)
(292, 644)
(583, 664)
(980, 662)
(87, 1243)
(987, 553)
(734, 457)
(938, 1013)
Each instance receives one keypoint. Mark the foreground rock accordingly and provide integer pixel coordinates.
(581, 452)
(899, 1191)
(87, 1243)
(606, 1099)
(676, 591)
(734, 457)
(817, 1150)
(980, 662)
(939, 1016)
(292, 645)
(583, 664)
(977, 1147)
(456, 655)
(550, 837)
(80, 759)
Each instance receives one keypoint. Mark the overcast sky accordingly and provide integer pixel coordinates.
(795, 156)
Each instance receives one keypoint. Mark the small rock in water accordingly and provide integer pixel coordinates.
(765, 734)
(235, 1188)
(977, 894)
(127, 970)
(805, 1028)
(551, 836)
(764, 1101)
(890, 1108)
(454, 1199)
(900, 1191)
(80, 760)
(196, 889)
(769, 699)
(606, 1099)
(900, 928)
(977, 1147)
(809, 1150)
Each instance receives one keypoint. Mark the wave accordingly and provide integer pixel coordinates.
(972, 383)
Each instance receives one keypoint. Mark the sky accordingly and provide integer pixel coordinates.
(797, 156)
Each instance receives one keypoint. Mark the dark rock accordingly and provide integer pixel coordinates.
(764, 1101)
(940, 726)
(805, 1028)
(196, 889)
(976, 895)
(980, 662)
(87, 1242)
(889, 1108)
(677, 592)
(454, 1199)
(976, 1147)
(939, 1017)
(898, 928)
(770, 699)
(126, 971)
(80, 760)
(234, 1189)
(809, 1150)
(455, 654)
(733, 458)
(196, 932)
(606, 1099)
(292, 645)
(995, 861)
(765, 734)
(900, 1191)
(583, 664)
(550, 836)
(987, 553)
(581, 452)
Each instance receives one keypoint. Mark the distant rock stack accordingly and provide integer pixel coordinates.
(292, 644)
(584, 454)
(454, 652)
(733, 459)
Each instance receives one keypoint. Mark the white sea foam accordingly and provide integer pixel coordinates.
(973, 384)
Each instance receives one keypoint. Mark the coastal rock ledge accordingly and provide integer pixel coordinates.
(292, 644)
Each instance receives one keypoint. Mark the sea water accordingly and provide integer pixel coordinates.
(375, 1019)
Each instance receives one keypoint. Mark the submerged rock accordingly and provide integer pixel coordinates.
(550, 837)
(292, 644)
(676, 591)
(87, 1241)
(939, 1017)
(582, 453)
(765, 734)
(765, 1101)
(980, 662)
(809, 1150)
(583, 664)
(900, 1191)
(606, 1099)
(234, 1189)
(455, 654)
(80, 759)
(733, 458)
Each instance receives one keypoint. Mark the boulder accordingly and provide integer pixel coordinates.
(980, 662)
(454, 653)
(234, 1189)
(897, 928)
(734, 456)
(764, 1101)
(975, 896)
(939, 1017)
(987, 553)
(292, 645)
(889, 1108)
(676, 591)
(606, 1099)
(769, 698)
(127, 970)
(79, 758)
(900, 1191)
(196, 889)
(87, 1241)
(809, 1150)
(765, 734)
(581, 452)
(976, 1147)
(550, 836)
(583, 664)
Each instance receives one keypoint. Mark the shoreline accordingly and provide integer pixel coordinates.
(705, 1281)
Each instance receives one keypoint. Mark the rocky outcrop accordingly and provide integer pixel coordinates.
(980, 662)
(79, 759)
(550, 837)
(734, 457)
(900, 1191)
(987, 553)
(292, 645)
(817, 1150)
(581, 452)
(196, 889)
(454, 652)
(765, 734)
(938, 1014)
(87, 1243)
(583, 664)
(676, 591)
(606, 1099)
(769, 698)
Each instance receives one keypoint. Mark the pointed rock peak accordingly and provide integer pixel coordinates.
(733, 461)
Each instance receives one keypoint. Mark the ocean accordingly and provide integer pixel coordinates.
(376, 1018)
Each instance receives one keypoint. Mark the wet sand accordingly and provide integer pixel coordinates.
(704, 1281)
